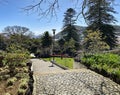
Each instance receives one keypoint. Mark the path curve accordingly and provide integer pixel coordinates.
(55, 81)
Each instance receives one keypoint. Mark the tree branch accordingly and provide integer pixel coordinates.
(50, 9)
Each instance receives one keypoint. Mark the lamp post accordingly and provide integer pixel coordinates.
(53, 43)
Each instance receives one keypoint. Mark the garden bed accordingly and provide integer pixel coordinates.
(107, 65)
(15, 75)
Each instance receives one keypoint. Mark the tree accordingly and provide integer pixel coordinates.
(69, 17)
(93, 42)
(17, 35)
(69, 30)
(53, 7)
(61, 43)
(99, 17)
(69, 47)
(46, 40)
(2, 42)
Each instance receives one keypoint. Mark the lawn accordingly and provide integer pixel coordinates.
(67, 62)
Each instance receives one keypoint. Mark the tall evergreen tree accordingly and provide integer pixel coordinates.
(69, 29)
(99, 17)
(46, 40)
(69, 17)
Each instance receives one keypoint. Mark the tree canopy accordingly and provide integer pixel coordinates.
(99, 16)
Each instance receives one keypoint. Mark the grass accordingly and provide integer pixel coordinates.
(67, 62)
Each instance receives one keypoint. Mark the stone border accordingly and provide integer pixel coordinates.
(31, 79)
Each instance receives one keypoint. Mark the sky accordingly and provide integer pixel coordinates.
(12, 13)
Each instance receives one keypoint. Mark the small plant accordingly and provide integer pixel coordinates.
(11, 81)
(23, 85)
(21, 91)
(25, 70)
(5, 77)
(21, 75)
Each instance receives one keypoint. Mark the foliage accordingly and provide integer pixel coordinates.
(45, 49)
(14, 59)
(69, 47)
(16, 56)
(93, 42)
(69, 17)
(11, 81)
(109, 35)
(24, 85)
(46, 40)
(99, 16)
(15, 48)
(21, 75)
(21, 91)
(70, 33)
(99, 12)
(2, 42)
(108, 62)
(17, 35)
(68, 28)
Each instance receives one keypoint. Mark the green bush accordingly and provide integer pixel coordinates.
(14, 59)
(112, 60)
(108, 62)
(23, 85)
(11, 81)
(5, 77)
(21, 91)
(21, 75)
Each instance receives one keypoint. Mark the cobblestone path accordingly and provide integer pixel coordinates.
(55, 81)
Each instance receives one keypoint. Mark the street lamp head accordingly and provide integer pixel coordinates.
(53, 31)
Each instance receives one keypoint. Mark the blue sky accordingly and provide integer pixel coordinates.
(11, 14)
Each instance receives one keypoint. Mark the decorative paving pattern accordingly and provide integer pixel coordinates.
(73, 82)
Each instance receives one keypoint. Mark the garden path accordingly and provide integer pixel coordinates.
(56, 81)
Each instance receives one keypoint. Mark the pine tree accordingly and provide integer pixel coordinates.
(46, 40)
(69, 17)
(69, 29)
(99, 17)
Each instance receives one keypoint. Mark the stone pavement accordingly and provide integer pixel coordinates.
(55, 81)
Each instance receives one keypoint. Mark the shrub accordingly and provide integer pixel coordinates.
(5, 77)
(21, 75)
(25, 70)
(14, 59)
(11, 81)
(107, 62)
(21, 91)
(23, 85)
